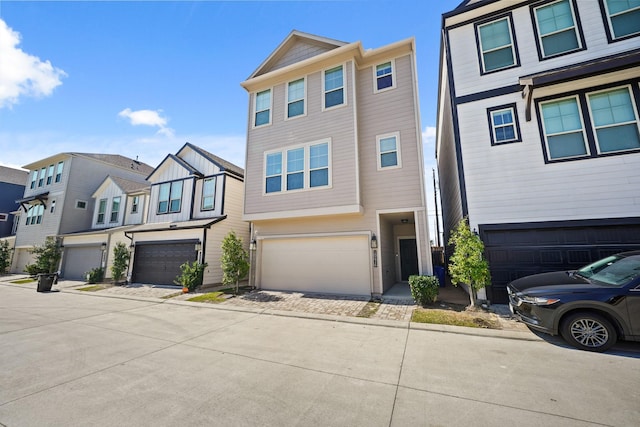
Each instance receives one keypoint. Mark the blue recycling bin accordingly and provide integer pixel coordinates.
(438, 271)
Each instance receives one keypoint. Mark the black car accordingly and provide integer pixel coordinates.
(591, 308)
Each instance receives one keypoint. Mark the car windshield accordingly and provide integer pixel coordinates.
(614, 270)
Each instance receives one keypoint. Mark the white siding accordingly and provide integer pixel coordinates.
(185, 205)
(111, 191)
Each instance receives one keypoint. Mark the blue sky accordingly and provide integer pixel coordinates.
(142, 78)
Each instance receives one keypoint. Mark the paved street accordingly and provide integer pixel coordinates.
(74, 359)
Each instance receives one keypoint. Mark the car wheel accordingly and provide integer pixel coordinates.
(589, 331)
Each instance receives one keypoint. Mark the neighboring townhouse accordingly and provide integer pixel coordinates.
(335, 176)
(538, 132)
(195, 200)
(118, 204)
(57, 197)
(11, 188)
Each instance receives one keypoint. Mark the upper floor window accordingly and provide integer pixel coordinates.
(59, 171)
(333, 87)
(388, 147)
(306, 167)
(614, 120)
(49, 174)
(557, 32)
(41, 177)
(503, 122)
(34, 179)
(563, 128)
(295, 98)
(81, 204)
(208, 194)
(384, 78)
(102, 209)
(34, 214)
(135, 204)
(263, 108)
(497, 45)
(115, 209)
(623, 18)
(170, 197)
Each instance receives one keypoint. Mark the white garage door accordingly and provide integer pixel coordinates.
(79, 261)
(319, 264)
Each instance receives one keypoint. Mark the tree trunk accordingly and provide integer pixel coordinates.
(472, 296)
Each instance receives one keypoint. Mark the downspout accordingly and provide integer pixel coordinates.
(130, 256)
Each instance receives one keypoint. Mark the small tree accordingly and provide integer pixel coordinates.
(47, 258)
(191, 275)
(234, 260)
(120, 262)
(5, 256)
(467, 264)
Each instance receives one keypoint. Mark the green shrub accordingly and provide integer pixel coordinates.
(47, 258)
(120, 262)
(5, 256)
(191, 275)
(96, 275)
(424, 289)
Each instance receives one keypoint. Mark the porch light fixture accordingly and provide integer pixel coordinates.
(103, 247)
(253, 245)
(374, 241)
(198, 246)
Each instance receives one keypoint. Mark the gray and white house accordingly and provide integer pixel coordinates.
(538, 138)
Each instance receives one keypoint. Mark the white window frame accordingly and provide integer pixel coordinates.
(78, 201)
(255, 108)
(516, 136)
(610, 24)
(379, 152)
(540, 37)
(593, 124)
(115, 211)
(4, 217)
(343, 87)
(306, 169)
(212, 196)
(59, 170)
(583, 129)
(512, 45)
(104, 211)
(34, 179)
(41, 177)
(35, 214)
(135, 204)
(50, 175)
(393, 76)
(303, 99)
(170, 199)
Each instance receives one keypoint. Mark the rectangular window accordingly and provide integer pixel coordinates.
(49, 174)
(170, 197)
(614, 120)
(333, 87)
(41, 177)
(384, 76)
(295, 98)
(102, 209)
(273, 173)
(295, 169)
(388, 150)
(135, 204)
(115, 209)
(503, 122)
(34, 214)
(4, 217)
(563, 129)
(263, 108)
(59, 171)
(623, 17)
(496, 45)
(319, 165)
(81, 204)
(34, 179)
(208, 194)
(557, 32)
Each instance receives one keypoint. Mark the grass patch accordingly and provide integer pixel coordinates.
(211, 297)
(369, 309)
(470, 319)
(91, 288)
(23, 281)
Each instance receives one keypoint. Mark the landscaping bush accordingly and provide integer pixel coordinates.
(120, 262)
(47, 258)
(5, 256)
(191, 275)
(96, 275)
(424, 289)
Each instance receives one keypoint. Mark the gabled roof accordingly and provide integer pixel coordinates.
(13, 176)
(218, 161)
(112, 159)
(179, 161)
(128, 186)
(274, 60)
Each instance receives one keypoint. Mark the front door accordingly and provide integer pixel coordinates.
(408, 258)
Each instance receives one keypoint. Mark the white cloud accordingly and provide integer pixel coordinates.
(147, 118)
(22, 74)
(429, 135)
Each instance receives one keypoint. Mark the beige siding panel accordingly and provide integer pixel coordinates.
(197, 206)
(319, 264)
(109, 193)
(299, 52)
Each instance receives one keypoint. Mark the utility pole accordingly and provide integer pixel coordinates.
(435, 199)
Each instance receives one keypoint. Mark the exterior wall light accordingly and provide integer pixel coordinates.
(198, 246)
(374, 241)
(253, 245)
(103, 247)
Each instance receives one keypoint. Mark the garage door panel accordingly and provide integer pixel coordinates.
(160, 264)
(79, 261)
(321, 264)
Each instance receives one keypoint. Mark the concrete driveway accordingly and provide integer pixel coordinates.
(71, 359)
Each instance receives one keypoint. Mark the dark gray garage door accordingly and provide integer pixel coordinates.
(160, 263)
(517, 250)
(78, 261)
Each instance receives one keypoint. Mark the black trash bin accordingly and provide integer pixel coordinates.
(45, 281)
